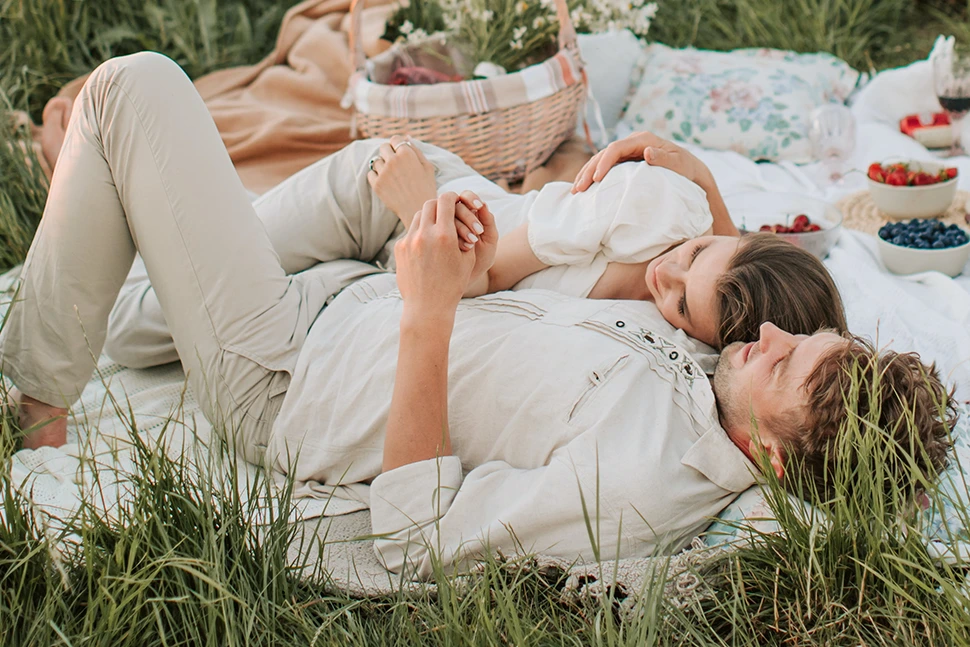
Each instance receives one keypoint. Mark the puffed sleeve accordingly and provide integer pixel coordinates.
(633, 215)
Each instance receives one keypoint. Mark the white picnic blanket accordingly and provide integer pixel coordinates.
(929, 313)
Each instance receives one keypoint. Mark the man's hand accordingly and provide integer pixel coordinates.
(402, 177)
(654, 150)
(432, 271)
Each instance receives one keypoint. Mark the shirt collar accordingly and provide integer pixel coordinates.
(719, 459)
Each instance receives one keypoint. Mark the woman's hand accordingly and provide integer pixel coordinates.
(486, 246)
(402, 177)
(646, 146)
(657, 151)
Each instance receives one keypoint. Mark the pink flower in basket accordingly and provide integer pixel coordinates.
(735, 94)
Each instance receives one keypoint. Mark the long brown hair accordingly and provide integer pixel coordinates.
(769, 279)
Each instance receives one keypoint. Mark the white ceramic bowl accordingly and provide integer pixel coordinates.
(752, 210)
(905, 202)
(907, 260)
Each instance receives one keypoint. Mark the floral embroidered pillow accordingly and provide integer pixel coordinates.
(753, 101)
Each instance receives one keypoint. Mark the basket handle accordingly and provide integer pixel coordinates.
(567, 32)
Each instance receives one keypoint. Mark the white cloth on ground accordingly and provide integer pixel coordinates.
(928, 313)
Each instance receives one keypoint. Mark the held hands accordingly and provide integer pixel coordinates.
(402, 177)
(655, 150)
(435, 267)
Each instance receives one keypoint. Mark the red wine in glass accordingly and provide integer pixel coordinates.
(951, 80)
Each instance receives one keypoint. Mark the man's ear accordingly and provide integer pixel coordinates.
(776, 454)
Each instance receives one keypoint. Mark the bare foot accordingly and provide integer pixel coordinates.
(57, 114)
(44, 425)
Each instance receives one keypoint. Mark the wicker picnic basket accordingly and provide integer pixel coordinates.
(503, 127)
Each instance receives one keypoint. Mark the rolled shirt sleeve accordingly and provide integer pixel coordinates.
(619, 486)
(425, 513)
(633, 215)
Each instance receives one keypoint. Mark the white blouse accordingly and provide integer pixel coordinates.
(633, 215)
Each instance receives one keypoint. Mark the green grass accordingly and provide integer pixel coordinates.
(183, 564)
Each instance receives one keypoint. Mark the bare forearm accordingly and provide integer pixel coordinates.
(723, 225)
(417, 428)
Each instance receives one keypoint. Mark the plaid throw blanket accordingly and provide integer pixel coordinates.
(369, 94)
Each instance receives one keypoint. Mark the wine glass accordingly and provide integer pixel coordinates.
(832, 135)
(951, 80)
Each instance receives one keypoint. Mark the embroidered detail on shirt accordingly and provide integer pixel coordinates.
(504, 304)
(671, 356)
(681, 361)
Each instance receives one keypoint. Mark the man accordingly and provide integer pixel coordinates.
(586, 427)
(522, 421)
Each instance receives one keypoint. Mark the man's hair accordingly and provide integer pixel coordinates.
(769, 279)
(888, 393)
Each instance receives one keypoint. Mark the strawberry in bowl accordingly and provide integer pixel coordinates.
(902, 174)
(904, 190)
(812, 224)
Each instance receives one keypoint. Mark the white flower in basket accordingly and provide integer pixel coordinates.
(503, 126)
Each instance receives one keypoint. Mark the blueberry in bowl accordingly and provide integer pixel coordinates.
(920, 245)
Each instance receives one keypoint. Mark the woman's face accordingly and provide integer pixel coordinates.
(683, 281)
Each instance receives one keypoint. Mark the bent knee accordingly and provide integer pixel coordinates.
(143, 67)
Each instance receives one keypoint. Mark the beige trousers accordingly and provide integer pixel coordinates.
(236, 288)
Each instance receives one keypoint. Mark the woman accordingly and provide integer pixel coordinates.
(718, 289)
(642, 232)
(146, 170)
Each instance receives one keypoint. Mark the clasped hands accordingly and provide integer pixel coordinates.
(435, 260)
(445, 249)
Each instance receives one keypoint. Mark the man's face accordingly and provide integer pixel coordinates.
(765, 380)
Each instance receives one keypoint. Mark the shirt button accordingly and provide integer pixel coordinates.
(620, 324)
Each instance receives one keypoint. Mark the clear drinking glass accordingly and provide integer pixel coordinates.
(832, 135)
(951, 81)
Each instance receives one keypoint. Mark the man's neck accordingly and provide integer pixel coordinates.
(740, 438)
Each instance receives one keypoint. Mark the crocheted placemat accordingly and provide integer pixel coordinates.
(859, 212)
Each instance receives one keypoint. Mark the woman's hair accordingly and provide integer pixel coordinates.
(769, 279)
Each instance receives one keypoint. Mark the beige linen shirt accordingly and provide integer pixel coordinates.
(556, 405)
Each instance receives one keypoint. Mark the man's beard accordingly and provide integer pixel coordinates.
(723, 381)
